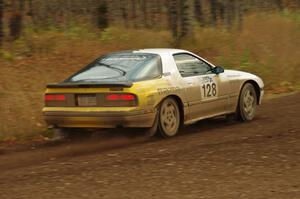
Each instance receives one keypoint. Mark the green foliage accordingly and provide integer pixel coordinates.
(297, 85)
(48, 133)
(78, 32)
(293, 15)
(6, 55)
(106, 35)
(2, 137)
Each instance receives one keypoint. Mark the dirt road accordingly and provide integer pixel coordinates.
(210, 159)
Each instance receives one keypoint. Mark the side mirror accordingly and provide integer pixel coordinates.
(217, 70)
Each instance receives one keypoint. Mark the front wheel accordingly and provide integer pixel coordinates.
(168, 118)
(247, 103)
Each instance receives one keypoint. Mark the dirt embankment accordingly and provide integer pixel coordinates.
(22, 85)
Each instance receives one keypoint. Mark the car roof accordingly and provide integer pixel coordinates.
(160, 50)
(163, 52)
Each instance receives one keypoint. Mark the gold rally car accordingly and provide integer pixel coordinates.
(155, 89)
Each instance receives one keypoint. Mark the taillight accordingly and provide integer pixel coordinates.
(120, 99)
(55, 97)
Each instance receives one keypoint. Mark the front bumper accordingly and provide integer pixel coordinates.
(77, 119)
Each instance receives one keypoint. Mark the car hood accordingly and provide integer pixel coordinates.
(235, 74)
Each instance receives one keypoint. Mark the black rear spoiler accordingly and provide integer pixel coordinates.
(126, 84)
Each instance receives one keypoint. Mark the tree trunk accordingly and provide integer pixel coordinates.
(279, 4)
(185, 25)
(230, 13)
(213, 13)
(1, 22)
(199, 12)
(240, 14)
(221, 10)
(144, 6)
(16, 20)
(102, 18)
(30, 8)
(173, 18)
(133, 13)
(124, 12)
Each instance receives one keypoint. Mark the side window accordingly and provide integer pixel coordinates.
(189, 65)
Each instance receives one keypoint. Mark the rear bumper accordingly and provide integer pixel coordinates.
(72, 119)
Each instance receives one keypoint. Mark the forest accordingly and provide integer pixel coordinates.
(178, 16)
(44, 41)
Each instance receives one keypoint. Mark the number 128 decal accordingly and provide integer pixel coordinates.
(209, 90)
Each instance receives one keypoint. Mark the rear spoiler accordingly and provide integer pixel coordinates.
(126, 84)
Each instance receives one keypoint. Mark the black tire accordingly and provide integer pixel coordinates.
(247, 103)
(168, 118)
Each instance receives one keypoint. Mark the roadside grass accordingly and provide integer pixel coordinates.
(268, 46)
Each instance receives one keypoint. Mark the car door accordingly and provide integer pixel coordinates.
(205, 91)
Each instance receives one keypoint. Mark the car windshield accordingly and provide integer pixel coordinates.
(117, 66)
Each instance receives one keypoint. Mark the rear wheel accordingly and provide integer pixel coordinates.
(168, 118)
(247, 103)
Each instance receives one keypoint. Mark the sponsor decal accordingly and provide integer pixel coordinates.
(207, 79)
(170, 90)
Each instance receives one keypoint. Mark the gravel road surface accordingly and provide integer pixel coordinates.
(214, 158)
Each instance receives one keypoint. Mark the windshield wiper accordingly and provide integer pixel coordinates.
(115, 68)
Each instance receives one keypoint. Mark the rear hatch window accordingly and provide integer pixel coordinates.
(120, 67)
